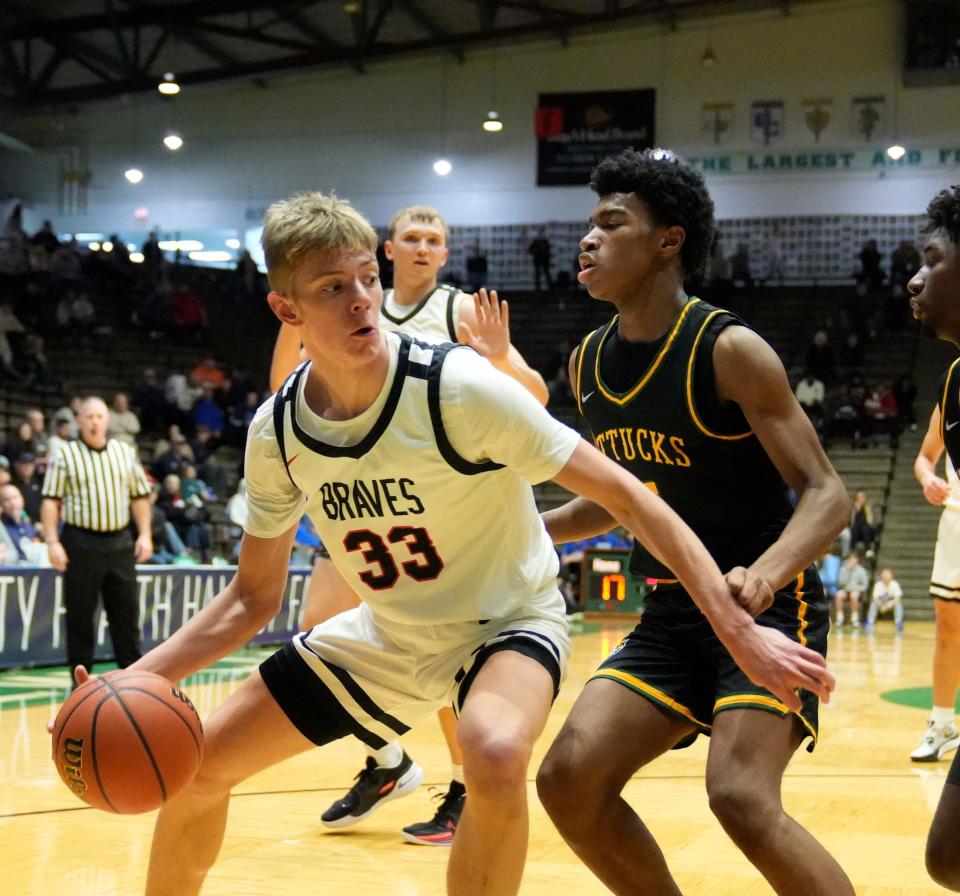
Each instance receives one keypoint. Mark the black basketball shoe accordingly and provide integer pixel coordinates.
(375, 786)
(440, 829)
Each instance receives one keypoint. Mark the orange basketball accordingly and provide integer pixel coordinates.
(127, 741)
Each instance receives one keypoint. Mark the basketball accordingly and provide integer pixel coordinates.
(127, 741)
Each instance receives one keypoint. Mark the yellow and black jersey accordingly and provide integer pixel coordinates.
(658, 415)
(949, 403)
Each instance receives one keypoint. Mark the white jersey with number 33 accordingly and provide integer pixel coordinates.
(424, 501)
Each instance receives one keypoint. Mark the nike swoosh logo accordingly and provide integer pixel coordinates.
(292, 459)
(583, 398)
(950, 426)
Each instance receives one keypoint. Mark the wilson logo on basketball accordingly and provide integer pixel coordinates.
(73, 765)
(183, 698)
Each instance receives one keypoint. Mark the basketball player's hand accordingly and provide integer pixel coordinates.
(935, 490)
(58, 556)
(81, 675)
(772, 660)
(492, 338)
(749, 590)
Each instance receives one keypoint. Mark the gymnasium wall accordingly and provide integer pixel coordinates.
(373, 137)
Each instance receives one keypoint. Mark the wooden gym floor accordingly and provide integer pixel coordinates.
(858, 793)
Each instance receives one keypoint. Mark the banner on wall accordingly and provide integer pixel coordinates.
(818, 161)
(576, 131)
(32, 628)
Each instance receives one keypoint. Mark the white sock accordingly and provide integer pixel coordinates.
(942, 716)
(389, 756)
(456, 772)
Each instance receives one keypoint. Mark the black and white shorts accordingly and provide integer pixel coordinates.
(373, 678)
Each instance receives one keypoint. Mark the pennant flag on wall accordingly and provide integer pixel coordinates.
(869, 117)
(716, 122)
(817, 116)
(767, 121)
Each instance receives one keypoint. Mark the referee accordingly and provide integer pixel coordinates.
(95, 484)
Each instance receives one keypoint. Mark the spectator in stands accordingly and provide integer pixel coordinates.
(173, 462)
(46, 238)
(853, 582)
(871, 273)
(887, 597)
(206, 412)
(207, 372)
(61, 436)
(68, 413)
(124, 424)
(476, 269)
(181, 397)
(150, 402)
(850, 361)
(810, 394)
(82, 314)
(905, 391)
(881, 412)
(248, 277)
(5, 475)
(10, 325)
(187, 517)
(34, 365)
(23, 441)
(776, 264)
(189, 312)
(152, 256)
(203, 447)
(540, 250)
(28, 547)
(740, 267)
(862, 530)
(65, 267)
(29, 481)
(162, 445)
(38, 425)
(819, 359)
(240, 418)
(191, 484)
(168, 547)
(829, 569)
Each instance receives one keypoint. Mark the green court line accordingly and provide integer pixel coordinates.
(31, 687)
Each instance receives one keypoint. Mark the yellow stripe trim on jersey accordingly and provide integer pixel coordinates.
(801, 611)
(651, 692)
(690, 404)
(736, 701)
(943, 400)
(581, 352)
(651, 370)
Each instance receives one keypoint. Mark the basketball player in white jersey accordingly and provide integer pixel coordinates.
(415, 464)
(435, 313)
(942, 736)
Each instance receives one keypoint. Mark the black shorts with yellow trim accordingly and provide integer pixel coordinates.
(674, 659)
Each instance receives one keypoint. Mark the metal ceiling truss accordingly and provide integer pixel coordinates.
(120, 49)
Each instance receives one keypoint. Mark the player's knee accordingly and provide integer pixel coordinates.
(495, 762)
(746, 812)
(943, 864)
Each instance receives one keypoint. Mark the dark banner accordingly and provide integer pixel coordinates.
(32, 628)
(575, 131)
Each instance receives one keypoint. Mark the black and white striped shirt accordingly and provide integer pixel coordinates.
(96, 485)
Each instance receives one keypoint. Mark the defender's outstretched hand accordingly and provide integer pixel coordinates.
(492, 339)
(770, 659)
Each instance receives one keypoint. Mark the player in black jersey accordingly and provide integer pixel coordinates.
(935, 299)
(698, 406)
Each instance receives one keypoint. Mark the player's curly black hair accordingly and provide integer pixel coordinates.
(943, 213)
(673, 191)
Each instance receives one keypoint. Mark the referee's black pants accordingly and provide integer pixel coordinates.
(100, 563)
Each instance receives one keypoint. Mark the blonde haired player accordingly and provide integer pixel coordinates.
(414, 463)
(436, 313)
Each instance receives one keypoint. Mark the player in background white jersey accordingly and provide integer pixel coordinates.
(942, 736)
(376, 667)
(435, 313)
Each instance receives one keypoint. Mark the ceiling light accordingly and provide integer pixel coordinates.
(141, 213)
(233, 243)
(107, 246)
(136, 257)
(169, 86)
(134, 175)
(173, 142)
(211, 255)
(492, 122)
(93, 246)
(442, 167)
(896, 151)
(352, 7)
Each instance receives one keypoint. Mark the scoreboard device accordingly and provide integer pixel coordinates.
(607, 586)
